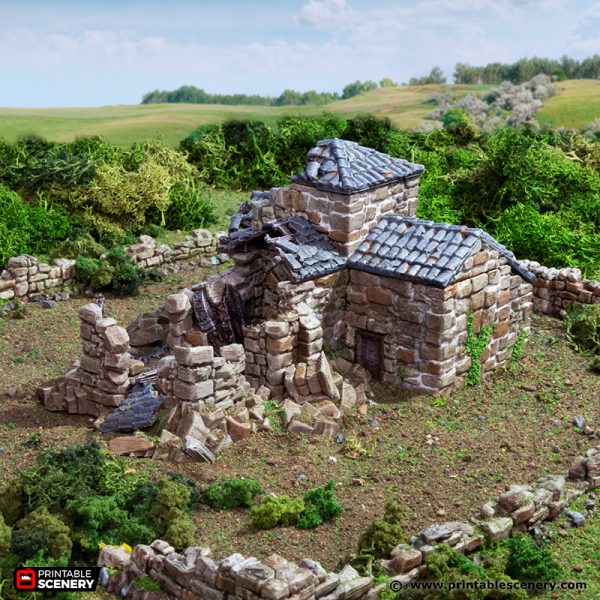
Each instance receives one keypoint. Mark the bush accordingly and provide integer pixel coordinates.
(29, 228)
(583, 328)
(230, 492)
(127, 279)
(380, 538)
(190, 207)
(45, 532)
(527, 561)
(276, 510)
(5, 537)
(321, 504)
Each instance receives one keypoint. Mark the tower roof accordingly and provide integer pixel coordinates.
(346, 168)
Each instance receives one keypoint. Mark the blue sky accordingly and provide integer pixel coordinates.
(98, 52)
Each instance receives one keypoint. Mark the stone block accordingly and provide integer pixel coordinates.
(116, 339)
(195, 356)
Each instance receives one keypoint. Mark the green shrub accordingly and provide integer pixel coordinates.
(46, 528)
(321, 504)
(148, 584)
(127, 279)
(35, 228)
(582, 325)
(104, 519)
(528, 561)
(195, 495)
(85, 246)
(117, 478)
(191, 206)
(85, 269)
(276, 510)
(5, 537)
(380, 537)
(231, 492)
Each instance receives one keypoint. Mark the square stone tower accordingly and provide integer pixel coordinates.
(346, 189)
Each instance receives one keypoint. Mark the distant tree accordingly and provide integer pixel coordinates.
(435, 76)
(387, 82)
(358, 87)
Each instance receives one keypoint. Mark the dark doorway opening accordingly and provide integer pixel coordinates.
(369, 352)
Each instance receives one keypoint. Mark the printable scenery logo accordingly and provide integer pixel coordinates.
(41, 579)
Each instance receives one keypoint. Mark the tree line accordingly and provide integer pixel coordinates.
(527, 68)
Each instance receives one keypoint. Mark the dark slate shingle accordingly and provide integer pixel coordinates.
(424, 251)
(345, 167)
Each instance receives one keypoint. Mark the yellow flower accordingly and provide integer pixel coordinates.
(129, 471)
(127, 548)
(101, 545)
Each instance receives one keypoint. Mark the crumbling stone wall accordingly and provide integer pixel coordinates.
(25, 274)
(425, 328)
(209, 397)
(99, 381)
(556, 290)
(347, 219)
(519, 509)
(195, 574)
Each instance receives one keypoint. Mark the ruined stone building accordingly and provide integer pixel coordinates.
(388, 291)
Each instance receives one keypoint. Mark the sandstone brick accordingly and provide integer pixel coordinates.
(379, 295)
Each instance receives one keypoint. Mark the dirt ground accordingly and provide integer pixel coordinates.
(441, 458)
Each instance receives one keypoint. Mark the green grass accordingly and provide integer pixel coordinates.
(123, 125)
(576, 104)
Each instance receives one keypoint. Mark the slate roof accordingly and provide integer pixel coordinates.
(423, 251)
(346, 168)
(308, 253)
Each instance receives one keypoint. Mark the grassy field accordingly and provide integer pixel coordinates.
(123, 125)
(576, 104)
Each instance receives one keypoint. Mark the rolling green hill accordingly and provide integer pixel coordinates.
(576, 105)
(123, 125)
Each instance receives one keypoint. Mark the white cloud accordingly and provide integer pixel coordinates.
(326, 14)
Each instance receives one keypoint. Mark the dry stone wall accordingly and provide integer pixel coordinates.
(346, 219)
(556, 290)
(99, 381)
(25, 275)
(195, 575)
(212, 404)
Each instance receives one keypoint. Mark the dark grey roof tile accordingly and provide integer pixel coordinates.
(424, 251)
(356, 167)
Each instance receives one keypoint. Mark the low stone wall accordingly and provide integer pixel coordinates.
(520, 509)
(556, 290)
(25, 275)
(194, 574)
(99, 381)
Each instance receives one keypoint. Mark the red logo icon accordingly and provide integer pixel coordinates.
(25, 579)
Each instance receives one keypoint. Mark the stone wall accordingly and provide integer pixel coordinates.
(195, 575)
(556, 290)
(25, 275)
(347, 219)
(425, 328)
(211, 402)
(99, 381)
